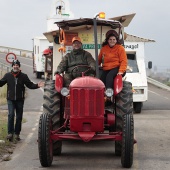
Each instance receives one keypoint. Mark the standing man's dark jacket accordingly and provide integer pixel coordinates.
(16, 85)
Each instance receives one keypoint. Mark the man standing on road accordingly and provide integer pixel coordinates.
(16, 81)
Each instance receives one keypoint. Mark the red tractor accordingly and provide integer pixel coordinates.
(79, 113)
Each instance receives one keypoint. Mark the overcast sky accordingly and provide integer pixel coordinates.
(21, 20)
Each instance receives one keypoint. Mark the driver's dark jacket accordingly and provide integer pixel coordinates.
(74, 58)
(16, 85)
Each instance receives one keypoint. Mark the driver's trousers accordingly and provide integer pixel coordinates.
(67, 79)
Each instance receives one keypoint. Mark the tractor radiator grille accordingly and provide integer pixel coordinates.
(86, 110)
(87, 102)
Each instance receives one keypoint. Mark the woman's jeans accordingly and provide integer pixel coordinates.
(108, 76)
(15, 107)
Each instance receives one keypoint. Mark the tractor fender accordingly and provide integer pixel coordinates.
(118, 84)
(58, 82)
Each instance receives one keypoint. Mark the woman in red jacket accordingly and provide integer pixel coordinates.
(113, 59)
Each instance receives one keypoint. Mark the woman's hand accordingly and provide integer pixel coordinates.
(120, 73)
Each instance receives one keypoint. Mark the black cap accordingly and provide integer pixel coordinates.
(16, 62)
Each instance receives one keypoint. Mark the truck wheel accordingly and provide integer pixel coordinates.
(38, 75)
(124, 105)
(52, 106)
(45, 144)
(137, 107)
(127, 141)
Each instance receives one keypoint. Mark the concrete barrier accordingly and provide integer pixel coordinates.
(158, 84)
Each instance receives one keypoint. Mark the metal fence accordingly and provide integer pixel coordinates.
(17, 51)
(4, 69)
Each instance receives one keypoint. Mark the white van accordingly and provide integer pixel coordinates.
(39, 45)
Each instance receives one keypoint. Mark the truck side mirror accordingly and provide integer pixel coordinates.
(150, 64)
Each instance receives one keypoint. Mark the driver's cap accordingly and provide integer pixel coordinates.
(76, 39)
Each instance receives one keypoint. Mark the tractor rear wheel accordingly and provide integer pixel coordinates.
(127, 141)
(124, 105)
(45, 144)
(52, 106)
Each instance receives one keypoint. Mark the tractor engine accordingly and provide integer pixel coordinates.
(87, 105)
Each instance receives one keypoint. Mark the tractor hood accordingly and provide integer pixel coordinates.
(87, 82)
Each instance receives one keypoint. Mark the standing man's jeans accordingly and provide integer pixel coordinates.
(15, 106)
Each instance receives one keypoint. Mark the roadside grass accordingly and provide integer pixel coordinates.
(3, 95)
(6, 147)
(168, 84)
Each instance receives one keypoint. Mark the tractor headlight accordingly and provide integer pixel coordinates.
(109, 92)
(64, 91)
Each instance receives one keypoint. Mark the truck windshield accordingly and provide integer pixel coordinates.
(132, 64)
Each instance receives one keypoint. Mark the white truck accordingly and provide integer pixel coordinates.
(136, 70)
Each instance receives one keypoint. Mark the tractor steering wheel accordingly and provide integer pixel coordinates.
(80, 70)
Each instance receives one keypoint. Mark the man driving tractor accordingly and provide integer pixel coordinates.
(77, 57)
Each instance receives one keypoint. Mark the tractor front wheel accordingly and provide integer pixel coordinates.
(52, 106)
(124, 106)
(127, 141)
(45, 144)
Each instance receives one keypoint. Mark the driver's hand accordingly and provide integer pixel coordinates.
(92, 68)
